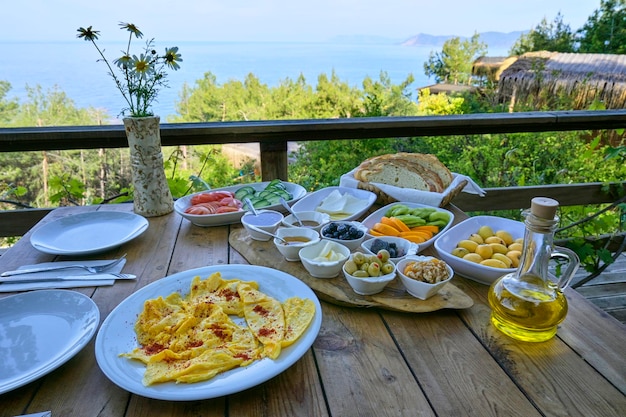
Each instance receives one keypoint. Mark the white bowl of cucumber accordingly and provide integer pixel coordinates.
(272, 192)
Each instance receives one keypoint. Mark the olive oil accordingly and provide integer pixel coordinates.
(526, 312)
(528, 304)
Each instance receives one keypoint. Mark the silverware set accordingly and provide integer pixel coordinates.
(91, 269)
(93, 273)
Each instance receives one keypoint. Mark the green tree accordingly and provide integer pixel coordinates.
(382, 98)
(454, 63)
(439, 104)
(605, 29)
(44, 173)
(555, 36)
(54, 108)
(8, 108)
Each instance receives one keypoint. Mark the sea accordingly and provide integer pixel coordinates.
(73, 67)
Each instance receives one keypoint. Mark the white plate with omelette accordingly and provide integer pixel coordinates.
(117, 336)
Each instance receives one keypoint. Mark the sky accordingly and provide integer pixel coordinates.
(281, 20)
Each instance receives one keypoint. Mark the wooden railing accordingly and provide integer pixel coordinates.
(273, 137)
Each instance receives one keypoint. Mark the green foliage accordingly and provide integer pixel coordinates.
(185, 176)
(52, 108)
(332, 159)
(8, 108)
(454, 63)
(555, 36)
(439, 104)
(63, 187)
(603, 32)
(605, 29)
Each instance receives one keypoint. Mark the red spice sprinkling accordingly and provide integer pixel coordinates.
(153, 349)
(228, 294)
(193, 344)
(266, 332)
(218, 331)
(243, 356)
(260, 310)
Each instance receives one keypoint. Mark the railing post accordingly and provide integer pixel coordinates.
(274, 160)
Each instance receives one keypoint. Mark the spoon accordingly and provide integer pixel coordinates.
(256, 229)
(250, 205)
(286, 205)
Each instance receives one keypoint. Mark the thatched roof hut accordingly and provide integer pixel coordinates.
(491, 67)
(446, 88)
(582, 78)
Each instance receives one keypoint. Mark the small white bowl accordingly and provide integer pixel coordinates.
(290, 251)
(324, 259)
(352, 244)
(371, 285)
(415, 287)
(404, 246)
(313, 219)
(267, 220)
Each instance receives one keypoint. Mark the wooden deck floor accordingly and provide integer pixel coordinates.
(608, 290)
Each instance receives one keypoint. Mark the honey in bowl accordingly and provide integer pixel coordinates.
(295, 240)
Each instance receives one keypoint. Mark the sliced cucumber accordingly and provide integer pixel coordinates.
(268, 196)
(243, 192)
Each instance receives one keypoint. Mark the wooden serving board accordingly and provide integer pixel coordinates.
(337, 290)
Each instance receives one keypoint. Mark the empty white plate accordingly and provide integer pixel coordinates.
(88, 233)
(40, 331)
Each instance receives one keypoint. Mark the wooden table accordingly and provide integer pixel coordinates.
(365, 362)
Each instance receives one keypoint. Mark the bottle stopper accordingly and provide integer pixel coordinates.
(544, 207)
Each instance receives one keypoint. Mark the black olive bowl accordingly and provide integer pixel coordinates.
(348, 233)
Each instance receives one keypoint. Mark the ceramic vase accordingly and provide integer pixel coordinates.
(152, 196)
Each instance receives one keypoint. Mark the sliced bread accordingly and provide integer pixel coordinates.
(407, 170)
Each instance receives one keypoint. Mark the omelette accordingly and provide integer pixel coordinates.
(196, 337)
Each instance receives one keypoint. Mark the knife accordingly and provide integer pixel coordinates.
(92, 277)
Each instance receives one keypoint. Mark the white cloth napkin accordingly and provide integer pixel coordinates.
(40, 285)
(416, 196)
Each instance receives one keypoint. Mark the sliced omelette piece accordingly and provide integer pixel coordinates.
(265, 318)
(169, 367)
(299, 313)
(159, 319)
(217, 290)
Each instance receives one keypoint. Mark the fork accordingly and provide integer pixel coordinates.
(91, 277)
(91, 269)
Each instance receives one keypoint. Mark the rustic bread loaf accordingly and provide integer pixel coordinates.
(406, 170)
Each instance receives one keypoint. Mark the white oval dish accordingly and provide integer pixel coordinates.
(88, 233)
(208, 220)
(117, 335)
(451, 237)
(40, 331)
(312, 201)
(376, 216)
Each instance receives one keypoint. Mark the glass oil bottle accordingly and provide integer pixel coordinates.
(528, 304)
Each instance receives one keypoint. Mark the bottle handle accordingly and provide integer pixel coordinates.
(572, 265)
